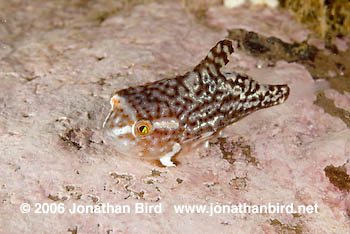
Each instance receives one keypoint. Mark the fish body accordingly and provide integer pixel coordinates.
(155, 120)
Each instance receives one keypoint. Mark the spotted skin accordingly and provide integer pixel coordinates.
(187, 108)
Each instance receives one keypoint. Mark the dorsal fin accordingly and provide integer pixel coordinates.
(217, 57)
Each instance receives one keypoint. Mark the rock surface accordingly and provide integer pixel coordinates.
(61, 61)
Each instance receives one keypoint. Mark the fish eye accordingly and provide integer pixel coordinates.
(142, 128)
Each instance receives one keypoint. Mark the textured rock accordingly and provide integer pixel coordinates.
(59, 64)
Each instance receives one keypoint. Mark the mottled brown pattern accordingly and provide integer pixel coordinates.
(201, 101)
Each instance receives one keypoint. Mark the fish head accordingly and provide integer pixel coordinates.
(138, 136)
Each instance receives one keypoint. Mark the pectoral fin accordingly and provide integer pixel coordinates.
(166, 159)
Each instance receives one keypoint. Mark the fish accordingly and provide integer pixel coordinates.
(157, 120)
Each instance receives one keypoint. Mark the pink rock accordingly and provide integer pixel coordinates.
(58, 70)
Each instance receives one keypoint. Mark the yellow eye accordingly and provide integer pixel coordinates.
(142, 128)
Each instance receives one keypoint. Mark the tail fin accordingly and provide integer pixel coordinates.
(267, 95)
(301, 90)
(217, 57)
(278, 94)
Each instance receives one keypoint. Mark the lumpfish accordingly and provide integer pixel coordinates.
(156, 120)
